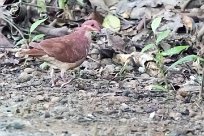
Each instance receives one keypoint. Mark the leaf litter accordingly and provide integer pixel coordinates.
(114, 92)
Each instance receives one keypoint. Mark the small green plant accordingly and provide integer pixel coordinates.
(32, 37)
(41, 6)
(33, 27)
(62, 3)
(159, 57)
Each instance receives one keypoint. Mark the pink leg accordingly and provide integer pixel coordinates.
(62, 75)
(63, 78)
(52, 77)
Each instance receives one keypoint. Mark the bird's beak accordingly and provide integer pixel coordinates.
(98, 30)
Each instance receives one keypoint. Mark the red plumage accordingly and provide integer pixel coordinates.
(64, 52)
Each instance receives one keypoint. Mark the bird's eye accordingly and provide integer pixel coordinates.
(92, 25)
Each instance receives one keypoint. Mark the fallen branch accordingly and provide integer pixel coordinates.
(52, 31)
(200, 33)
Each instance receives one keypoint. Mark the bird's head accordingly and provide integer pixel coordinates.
(91, 25)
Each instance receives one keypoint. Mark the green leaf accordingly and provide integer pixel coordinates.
(159, 88)
(200, 59)
(38, 37)
(147, 47)
(175, 50)
(155, 24)
(41, 5)
(36, 24)
(184, 60)
(159, 58)
(20, 42)
(81, 2)
(112, 22)
(62, 3)
(44, 65)
(162, 35)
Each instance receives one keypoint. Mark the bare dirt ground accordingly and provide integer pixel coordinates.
(95, 104)
(91, 106)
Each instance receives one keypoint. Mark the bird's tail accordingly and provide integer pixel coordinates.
(21, 53)
(36, 51)
(30, 53)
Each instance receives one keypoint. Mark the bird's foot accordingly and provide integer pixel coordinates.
(53, 82)
(53, 85)
(65, 83)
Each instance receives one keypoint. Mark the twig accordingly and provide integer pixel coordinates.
(29, 4)
(34, 5)
(200, 33)
(10, 4)
(6, 47)
(93, 59)
(201, 89)
(124, 67)
(7, 20)
(52, 31)
(185, 5)
(199, 106)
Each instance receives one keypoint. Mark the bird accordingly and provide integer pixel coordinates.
(65, 52)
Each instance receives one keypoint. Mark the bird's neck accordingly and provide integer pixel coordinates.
(88, 35)
(84, 32)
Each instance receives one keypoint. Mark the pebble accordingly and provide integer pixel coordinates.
(47, 105)
(94, 53)
(114, 84)
(124, 107)
(74, 135)
(108, 70)
(24, 77)
(47, 115)
(16, 125)
(105, 62)
(131, 84)
(36, 73)
(123, 120)
(29, 70)
(175, 115)
(144, 75)
(55, 99)
(40, 97)
(18, 99)
(126, 93)
(89, 65)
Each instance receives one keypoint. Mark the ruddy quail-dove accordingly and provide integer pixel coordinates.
(65, 52)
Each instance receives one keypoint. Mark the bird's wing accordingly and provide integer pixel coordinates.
(63, 49)
(32, 52)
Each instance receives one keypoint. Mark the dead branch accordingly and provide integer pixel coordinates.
(185, 5)
(51, 31)
(200, 33)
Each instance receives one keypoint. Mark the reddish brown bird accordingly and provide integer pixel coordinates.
(66, 52)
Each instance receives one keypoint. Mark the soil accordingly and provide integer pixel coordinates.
(91, 106)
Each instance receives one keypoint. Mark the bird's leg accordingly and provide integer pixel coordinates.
(52, 77)
(63, 78)
(62, 75)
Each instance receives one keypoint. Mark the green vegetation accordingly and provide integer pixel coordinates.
(159, 57)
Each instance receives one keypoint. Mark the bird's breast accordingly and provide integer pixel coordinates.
(61, 65)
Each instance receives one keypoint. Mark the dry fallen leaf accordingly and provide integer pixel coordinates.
(112, 22)
(99, 3)
(4, 42)
(1, 55)
(189, 23)
(111, 2)
(138, 57)
(95, 15)
(115, 41)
